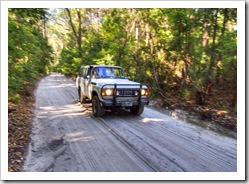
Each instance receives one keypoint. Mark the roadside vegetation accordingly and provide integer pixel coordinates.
(188, 56)
(30, 55)
(29, 58)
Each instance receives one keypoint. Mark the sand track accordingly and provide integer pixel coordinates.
(66, 137)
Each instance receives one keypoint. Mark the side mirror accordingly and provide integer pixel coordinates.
(86, 76)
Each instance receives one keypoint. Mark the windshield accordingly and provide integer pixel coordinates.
(108, 72)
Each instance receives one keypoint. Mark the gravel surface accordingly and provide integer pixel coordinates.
(66, 137)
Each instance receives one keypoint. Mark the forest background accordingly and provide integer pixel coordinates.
(184, 54)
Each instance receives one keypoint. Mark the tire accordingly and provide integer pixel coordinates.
(82, 98)
(96, 107)
(137, 110)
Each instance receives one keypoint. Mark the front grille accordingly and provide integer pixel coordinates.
(127, 93)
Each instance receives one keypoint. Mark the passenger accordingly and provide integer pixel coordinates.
(95, 73)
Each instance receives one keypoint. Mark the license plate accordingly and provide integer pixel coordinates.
(127, 104)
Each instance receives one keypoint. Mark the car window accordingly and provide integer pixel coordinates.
(83, 71)
(108, 72)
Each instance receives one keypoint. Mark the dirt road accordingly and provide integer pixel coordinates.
(66, 137)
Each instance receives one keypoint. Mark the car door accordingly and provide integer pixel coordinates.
(81, 79)
(86, 82)
(78, 79)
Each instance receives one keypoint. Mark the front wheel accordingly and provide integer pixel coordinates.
(98, 110)
(137, 110)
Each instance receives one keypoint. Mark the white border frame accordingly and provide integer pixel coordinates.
(239, 175)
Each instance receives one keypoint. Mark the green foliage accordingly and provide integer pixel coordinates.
(186, 50)
(28, 51)
(66, 61)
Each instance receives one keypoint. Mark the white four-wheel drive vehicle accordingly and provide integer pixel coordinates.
(108, 87)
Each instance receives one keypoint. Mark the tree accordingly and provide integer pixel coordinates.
(29, 55)
(77, 34)
(189, 52)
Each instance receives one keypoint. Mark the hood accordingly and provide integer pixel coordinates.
(101, 82)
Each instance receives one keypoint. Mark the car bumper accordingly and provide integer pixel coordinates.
(110, 103)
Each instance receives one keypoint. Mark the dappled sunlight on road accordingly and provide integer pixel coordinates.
(60, 86)
(82, 139)
(149, 120)
(78, 136)
(118, 141)
(64, 111)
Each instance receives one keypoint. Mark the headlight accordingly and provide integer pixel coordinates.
(106, 92)
(145, 92)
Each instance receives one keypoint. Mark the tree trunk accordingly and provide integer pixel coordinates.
(147, 30)
(79, 38)
(219, 59)
(209, 76)
(200, 98)
(79, 34)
